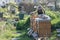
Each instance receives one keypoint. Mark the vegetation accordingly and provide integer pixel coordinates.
(55, 21)
(23, 23)
(9, 31)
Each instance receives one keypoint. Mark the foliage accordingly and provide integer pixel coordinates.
(7, 32)
(23, 23)
(55, 22)
(1, 10)
(55, 18)
(24, 35)
(51, 14)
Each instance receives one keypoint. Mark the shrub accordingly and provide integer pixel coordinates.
(51, 14)
(23, 24)
(55, 22)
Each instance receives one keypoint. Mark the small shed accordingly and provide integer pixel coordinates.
(41, 24)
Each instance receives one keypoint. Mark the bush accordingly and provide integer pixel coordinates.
(55, 19)
(55, 23)
(23, 24)
(51, 14)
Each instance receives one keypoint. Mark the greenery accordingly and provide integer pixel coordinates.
(23, 23)
(55, 22)
(9, 31)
